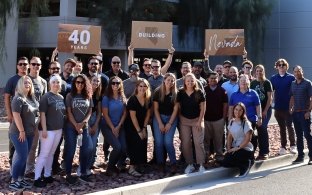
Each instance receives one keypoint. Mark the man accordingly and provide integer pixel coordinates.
(197, 71)
(221, 78)
(66, 75)
(40, 87)
(94, 68)
(300, 107)
(130, 83)
(281, 83)
(147, 62)
(157, 78)
(9, 92)
(77, 69)
(116, 69)
(247, 69)
(231, 86)
(215, 115)
(186, 68)
(227, 64)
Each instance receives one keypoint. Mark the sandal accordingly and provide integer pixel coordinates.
(134, 173)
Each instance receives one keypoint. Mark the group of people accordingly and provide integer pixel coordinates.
(204, 105)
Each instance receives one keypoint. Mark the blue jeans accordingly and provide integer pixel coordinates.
(85, 155)
(302, 128)
(20, 155)
(118, 154)
(164, 140)
(263, 136)
(94, 138)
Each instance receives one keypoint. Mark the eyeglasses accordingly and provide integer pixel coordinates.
(115, 83)
(155, 67)
(35, 64)
(80, 82)
(147, 65)
(116, 62)
(281, 65)
(143, 86)
(22, 64)
(55, 68)
(94, 63)
(248, 67)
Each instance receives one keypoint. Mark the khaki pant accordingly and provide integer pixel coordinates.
(214, 130)
(187, 130)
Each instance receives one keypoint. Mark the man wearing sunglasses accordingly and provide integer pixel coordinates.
(9, 92)
(116, 69)
(281, 83)
(247, 69)
(130, 83)
(40, 87)
(94, 68)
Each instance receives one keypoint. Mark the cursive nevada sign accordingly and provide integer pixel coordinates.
(224, 41)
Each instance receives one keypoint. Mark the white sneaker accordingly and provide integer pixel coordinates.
(201, 169)
(282, 151)
(293, 150)
(189, 169)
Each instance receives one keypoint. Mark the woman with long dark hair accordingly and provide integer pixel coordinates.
(79, 108)
(114, 112)
(239, 148)
(139, 108)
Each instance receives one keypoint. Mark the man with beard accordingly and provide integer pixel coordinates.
(9, 92)
(40, 87)
(197, 70)
(66, 75)
(221, 78)
(186, 68)
(227, 64)
(94, 68)
(130, 83)
(116, 69)
(231, 86)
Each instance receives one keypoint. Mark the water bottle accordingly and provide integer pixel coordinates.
(79, 140)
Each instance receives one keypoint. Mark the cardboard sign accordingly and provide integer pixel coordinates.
(224, 41)
(151, 34)
(74, 38)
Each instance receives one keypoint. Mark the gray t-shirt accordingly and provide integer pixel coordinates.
(155, 82)
(238, 132)
(55, 111)
(28, 110)
(40, 86)
(79, 106)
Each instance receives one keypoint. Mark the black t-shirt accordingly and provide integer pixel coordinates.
(262, 88)
(165, 107)
(190, 105)
(95, 102)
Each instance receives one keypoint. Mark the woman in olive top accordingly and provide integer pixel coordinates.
(21, 132)
(52, 114)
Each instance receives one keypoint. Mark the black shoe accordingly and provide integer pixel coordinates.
(25, 184)
(39, 183)
(57, 170)
(16, 186)
(298, 160)
(71, 180)
(112, 171)
(310, 161)
(85, 179)
(244, 172)
(49, 179)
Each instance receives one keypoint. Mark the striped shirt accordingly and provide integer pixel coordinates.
(301, 92)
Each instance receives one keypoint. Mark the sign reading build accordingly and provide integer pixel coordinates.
(224, 41)
(151, 34)
(74, 38)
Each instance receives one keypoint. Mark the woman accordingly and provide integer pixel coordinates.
(52, 113)
(139, 108)
(250, 99)
(264, 89)
(239, 148)
(94, 120)
(192, 106)
(114, 113)
(79, 108)
(21, 132)
(165, 120)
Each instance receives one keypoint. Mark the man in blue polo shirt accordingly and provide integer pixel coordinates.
(281, 83)
(300, 107)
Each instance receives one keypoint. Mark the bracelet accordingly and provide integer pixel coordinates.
(140, 131)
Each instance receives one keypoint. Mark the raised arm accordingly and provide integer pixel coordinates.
(165, 68)
(130, 54)
(54, 54)
(206, 62)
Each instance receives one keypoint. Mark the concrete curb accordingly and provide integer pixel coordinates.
(170, 184)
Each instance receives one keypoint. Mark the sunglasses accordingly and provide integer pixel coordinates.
(248, 67)
(155, 67)
(115, 83)
(80, 82)
(22, 64)
(35, 64)
(116, 62)
(55, 68)
(148, 65)
(227, 66)
(94, 63)
(281, 65)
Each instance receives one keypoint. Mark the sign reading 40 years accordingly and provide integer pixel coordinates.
(74, 38)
